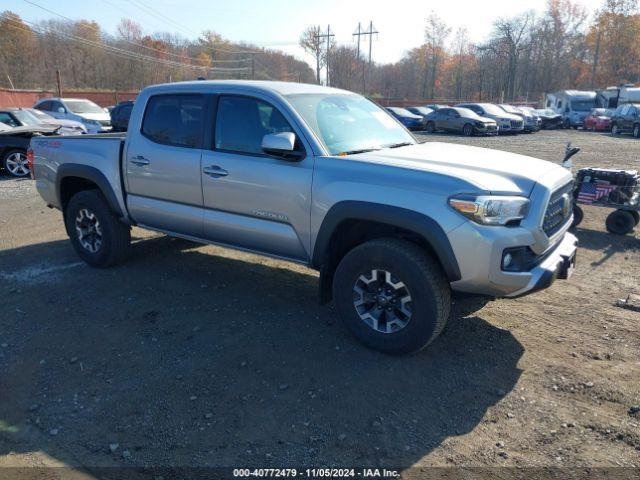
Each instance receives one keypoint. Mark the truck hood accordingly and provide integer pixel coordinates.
(487, 169)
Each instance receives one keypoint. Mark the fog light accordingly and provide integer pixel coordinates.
(506, 261)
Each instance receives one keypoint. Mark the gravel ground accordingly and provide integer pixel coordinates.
(194, 355)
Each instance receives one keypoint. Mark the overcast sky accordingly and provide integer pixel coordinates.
(278, 23)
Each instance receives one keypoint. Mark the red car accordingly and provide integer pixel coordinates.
(599, 119)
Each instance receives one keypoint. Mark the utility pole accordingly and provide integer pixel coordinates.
(58, 83)
(596, 57)
(328, 36)
(369, 32)
(253, 65)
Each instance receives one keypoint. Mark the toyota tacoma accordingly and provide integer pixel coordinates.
(321, 177)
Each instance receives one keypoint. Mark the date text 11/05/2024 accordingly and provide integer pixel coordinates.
(316, 473)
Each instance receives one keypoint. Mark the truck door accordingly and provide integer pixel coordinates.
(253, 200)
(162, 164)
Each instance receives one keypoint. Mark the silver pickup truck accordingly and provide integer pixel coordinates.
(325, 178)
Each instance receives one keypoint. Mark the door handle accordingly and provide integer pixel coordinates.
(215, 171)
(139, 160)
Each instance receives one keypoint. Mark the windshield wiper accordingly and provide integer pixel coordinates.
(355, 152)
(396, 145)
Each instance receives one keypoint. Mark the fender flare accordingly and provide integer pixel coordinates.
(92, 174)
(419, 223)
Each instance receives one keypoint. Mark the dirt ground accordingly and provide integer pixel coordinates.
(194, 355)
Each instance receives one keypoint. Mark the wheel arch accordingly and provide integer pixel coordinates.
(72, 178)
(350, 223)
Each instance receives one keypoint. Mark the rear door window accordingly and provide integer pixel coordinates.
(175, 120)
(44, 106)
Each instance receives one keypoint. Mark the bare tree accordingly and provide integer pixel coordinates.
(312, 43)
(435, 34)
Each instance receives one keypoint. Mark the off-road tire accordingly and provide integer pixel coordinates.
(115, 235)
(429, 289)
(620, 222)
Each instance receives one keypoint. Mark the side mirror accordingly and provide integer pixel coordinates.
(281, 145)
(61, 110)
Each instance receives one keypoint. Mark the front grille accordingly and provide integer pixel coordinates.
(558, 212)
(105, 123)
(516, 123)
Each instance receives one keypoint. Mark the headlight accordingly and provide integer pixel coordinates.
(491, 209)
(479, 124)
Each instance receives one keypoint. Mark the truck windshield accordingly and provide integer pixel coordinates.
(582, 105)
(83, 106)
(349, 123)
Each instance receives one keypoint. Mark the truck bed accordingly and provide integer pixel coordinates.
(98, 153)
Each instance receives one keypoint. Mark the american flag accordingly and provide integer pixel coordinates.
(591, 192)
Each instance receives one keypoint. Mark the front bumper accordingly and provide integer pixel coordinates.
(558, 265)
(479, 251)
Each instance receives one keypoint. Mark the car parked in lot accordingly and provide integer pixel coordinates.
(325, 178)
(120, 116)
(550, 119)
(69, 127)
(422, 111)
(507, 122)
(81, 110)
(25, 117)
(408, 119)
(460, 120)
(435, 106)
(14, 142)
(626, 119)
(599, 119)
(530, 122)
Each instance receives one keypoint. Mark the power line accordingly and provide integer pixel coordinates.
(97, 30)
(118, 51)
(151, 11)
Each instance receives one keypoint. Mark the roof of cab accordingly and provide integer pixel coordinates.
(282, 88)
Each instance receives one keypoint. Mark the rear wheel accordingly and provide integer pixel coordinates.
(636, 130)
(391, 295)
(620, 222)
(15, 163)
(431, 127)
(467, 130)
(97, 236)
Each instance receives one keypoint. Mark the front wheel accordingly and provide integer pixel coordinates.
(431, 127)
(620, 222)
(97, 235)
(636, 130)
(15, 163)
(467, 130)
(578, 216)
(392, 295)
(615, 130)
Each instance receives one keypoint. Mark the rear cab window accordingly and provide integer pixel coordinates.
(175, 119)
